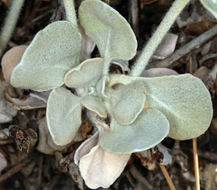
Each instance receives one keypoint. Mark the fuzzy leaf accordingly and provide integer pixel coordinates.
(100, 168)
(63, 115)
(183, 99)
(53, 51)
(10, 59)
(127, 102)
(108, 29)
(85, 74)
(149, 129)
(211, 6)
(94, 104)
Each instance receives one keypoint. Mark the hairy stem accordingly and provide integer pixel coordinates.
(106, 67)
(70, 11)
(157, 37)
(10, 23)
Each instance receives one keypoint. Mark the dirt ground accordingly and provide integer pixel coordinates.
(27, 166)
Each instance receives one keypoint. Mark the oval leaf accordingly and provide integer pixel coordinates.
(127, 102)
(100, 168)
(211, 6)
(85, 74)
(53, 51)
(108, 29)
(10, 59)
(183, 99)
(149, 129)
(63, 115)
(94, 104)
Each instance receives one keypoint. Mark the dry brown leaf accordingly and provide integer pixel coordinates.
(85, 147)
(75, 174)
(153, 157)
(3, 162)
(166, 47)
(157, 72)
(193, 13)
(202, 73)
(27, 102)
(199, 27)
(46, 144)
(7, 112)
(209, 175)
(24, 139)
(87, 45)
(10, 59)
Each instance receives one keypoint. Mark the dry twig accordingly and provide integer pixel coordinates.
(171, 61)
(196, 167)
(140, 178)
(14, 169)
(194, 142)
(169, 180)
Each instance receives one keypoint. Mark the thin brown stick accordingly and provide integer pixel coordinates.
(197, 42)
(134, 16)
(191, 65)
(196, 164)
(194, 142)
(14, 170)
(6, 141)
(169, 180)
(140, 178)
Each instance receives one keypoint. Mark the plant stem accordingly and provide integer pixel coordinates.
(10, 23)
(70, 11)
(157, 37)
(169, 180)
(196, 164)
(14, 169)
(106, 67)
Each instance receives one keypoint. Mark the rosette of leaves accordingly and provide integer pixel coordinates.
(143, 111)
(52, 60)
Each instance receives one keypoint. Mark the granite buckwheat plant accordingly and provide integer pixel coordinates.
(141, 111)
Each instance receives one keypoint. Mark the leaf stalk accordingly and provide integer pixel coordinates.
(10, 23)
(157, 37)
(70, 11)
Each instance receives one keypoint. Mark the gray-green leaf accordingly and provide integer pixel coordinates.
(211, 6)
(53, 51)
(149, 129)
(93, 103)
(127, 102)
(108, 29)
(183, 99)
(86, 74)
(63, 115)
